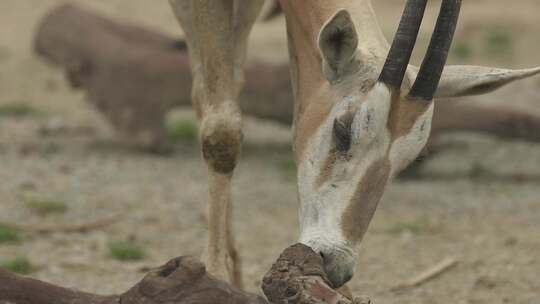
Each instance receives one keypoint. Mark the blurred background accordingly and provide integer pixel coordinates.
(62, 163)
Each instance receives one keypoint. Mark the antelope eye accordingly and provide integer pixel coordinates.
(343, 133)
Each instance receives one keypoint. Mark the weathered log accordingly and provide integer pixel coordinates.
(296, 278)
(181, 281)
(124, 70)
(134, 76)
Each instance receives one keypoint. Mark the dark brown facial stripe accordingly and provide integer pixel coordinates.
(432, 67)
(362, 206)
(327, 168)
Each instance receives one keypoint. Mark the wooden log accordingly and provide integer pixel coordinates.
(182, 280)
(20, 290)
(296, 278)
(134, 76)
(131, 75)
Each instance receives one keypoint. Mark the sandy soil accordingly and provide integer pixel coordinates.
(479, 201)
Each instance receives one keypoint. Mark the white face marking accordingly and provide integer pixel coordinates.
(322, 206)
(329, 178)
(406, 148)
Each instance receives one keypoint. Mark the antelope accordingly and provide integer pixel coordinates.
(361, 112)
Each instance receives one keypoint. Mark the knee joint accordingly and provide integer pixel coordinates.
(221, 139)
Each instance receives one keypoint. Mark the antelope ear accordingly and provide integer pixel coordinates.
(338, 41)
(462, 80)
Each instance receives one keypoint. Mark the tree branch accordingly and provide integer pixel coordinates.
(181, 281)
(19, 290)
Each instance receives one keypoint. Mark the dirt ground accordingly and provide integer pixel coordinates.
(478, 201)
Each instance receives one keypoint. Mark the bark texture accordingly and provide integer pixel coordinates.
(296, 278)
(181, 281)
(134, 76)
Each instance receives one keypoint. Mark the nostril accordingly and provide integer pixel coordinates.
(338, 267)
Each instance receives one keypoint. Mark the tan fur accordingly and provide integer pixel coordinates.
(404, 114)
(328, 75)
(304, 22)
(217, 32)
(362, 206)
(317, 94)
(308, 120)
(327, 168)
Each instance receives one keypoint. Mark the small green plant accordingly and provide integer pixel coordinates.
(20, 265)
(9, 234)
(46, 206)
(417, 226)
(288, 167)
(182, 129)
(498, 42)
(462, 50)
(17, 109)
(126, 251)
(479, 171)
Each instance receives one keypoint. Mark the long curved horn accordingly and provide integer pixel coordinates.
(400, 53)
(432, 67)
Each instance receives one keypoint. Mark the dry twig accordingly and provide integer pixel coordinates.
(427, 275)
(69, 228)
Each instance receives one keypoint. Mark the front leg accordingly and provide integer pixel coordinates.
(217, 32)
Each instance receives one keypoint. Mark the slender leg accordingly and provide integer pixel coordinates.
(217, 32)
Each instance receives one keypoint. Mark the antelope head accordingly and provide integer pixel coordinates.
(365, 118)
